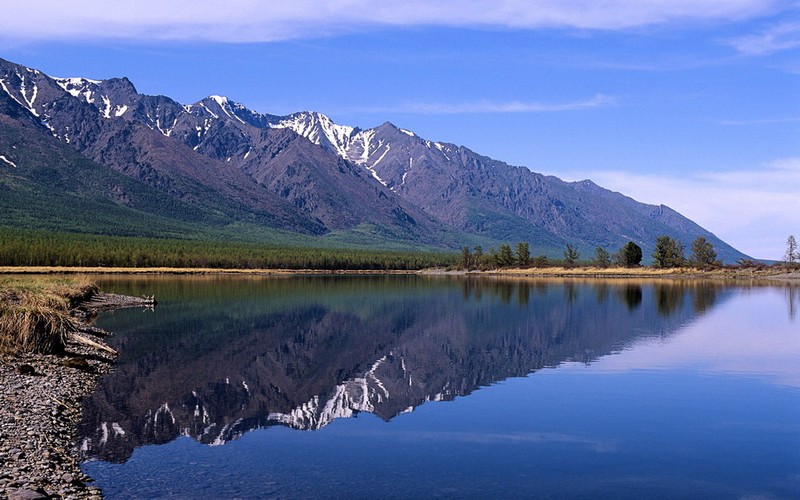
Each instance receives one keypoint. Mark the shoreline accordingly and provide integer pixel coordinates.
(542, 272)
(33, 270)
(41, 397)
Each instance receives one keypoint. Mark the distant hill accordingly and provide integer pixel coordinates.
(96, 156)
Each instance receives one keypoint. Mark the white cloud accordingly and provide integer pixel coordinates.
(487, 106)
(258, 21)
(784, 36)
(754, 210)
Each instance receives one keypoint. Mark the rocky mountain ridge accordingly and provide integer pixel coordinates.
(303, 364)
(306, 174)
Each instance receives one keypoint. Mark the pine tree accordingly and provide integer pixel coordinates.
(504, 255)
(630, 255)
(703, 254)
(601, 257)
(571, 255)
(466, 258)
(668, 253)
(523, 254)
(792, 255)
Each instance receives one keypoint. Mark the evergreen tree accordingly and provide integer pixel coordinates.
(703, 254)
(630, 255)
(466, 258)
(792, 255)
(668, 253)
(523, 254)
(601, 257)
(504, 255)
(478, 256)
(571, 255)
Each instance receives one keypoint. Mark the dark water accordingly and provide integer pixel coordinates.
(398, 387)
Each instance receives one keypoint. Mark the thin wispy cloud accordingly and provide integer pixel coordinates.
(778, 38)
(488, 106)
(753, 210)
(764, 121)
(257, 21)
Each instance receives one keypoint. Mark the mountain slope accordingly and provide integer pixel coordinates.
(46, 184)
(479, 195)
(147, 155)
(305, 174)
(316, 183)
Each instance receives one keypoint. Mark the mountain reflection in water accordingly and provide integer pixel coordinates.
(221, 356)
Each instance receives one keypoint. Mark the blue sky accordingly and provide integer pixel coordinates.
(693, 104)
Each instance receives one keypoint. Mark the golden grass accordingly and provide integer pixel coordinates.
(642, 272)
(34, 312)
(33, 270)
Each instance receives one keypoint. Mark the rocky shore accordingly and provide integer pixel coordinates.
(40, 407)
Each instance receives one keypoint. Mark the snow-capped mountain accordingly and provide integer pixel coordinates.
(305, 173)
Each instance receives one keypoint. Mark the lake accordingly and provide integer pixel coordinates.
(453, 387)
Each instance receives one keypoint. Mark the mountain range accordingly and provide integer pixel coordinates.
(96, 156)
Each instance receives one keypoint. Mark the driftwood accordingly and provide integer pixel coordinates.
(91, 343)
(93, 330)
(108, 301)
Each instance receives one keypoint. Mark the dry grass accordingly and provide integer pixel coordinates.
(34, 312)
(34, 270)
(643, 272)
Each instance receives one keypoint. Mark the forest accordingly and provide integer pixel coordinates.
(43, 248)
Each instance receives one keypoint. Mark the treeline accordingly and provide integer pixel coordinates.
(39, 248)
(668, 253)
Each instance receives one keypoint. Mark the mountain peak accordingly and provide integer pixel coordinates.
(219, 99)
(319, 129)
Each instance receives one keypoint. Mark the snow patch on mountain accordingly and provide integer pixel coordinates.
(225, 105)
(79, 87)
(5, 88)
(6, 160)
(320, 130)
(23, 90)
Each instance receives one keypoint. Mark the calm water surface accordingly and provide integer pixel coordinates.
(398, 387)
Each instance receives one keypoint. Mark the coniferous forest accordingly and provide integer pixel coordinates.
(42, 248)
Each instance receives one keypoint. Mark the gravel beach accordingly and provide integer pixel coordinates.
(40, 407)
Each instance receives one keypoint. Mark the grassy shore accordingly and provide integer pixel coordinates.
(791, 275)
(33, 270)
(35, 311)
(649, 272)
(554, 271)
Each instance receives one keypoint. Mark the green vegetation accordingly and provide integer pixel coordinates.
(40, 248)
(523, 254)
(703, 254)
(571, 256)
(668, 253)
(504, 257)
(34, 313)
(630, 255)
(601, 257)
(792, 254)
